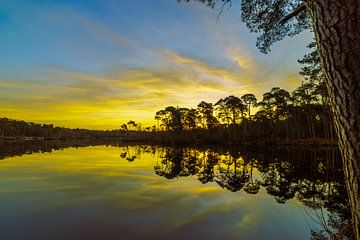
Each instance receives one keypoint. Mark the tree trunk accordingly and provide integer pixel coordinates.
(337, 30)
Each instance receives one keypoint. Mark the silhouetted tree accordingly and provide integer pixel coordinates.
(230, 109)
(207, 118)
(250, 100)
(124, 127)
(131, 125)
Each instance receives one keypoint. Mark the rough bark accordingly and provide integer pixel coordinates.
(337, 29)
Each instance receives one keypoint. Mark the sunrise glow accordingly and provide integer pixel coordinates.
(97, 65)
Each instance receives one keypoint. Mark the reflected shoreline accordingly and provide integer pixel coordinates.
(14, 148)
(312, 175)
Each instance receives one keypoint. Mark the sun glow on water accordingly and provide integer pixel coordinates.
(94, 185)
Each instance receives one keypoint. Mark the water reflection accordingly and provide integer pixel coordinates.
(314, 177)
(311, 177)
(18, 148)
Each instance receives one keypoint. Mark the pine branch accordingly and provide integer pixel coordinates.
(294, 13)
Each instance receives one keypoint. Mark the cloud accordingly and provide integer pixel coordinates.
(105, 74)
(135, 93)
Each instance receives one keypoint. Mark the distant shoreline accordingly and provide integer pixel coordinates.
(156, 139)
(233, 134)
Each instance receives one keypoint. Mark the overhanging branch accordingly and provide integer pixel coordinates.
(294, 13)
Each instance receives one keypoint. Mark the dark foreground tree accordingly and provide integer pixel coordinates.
(336, 25)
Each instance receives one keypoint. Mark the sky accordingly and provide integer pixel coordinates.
(99, 63)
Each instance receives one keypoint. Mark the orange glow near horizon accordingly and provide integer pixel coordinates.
(100, 74)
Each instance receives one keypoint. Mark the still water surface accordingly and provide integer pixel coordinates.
(148, 192)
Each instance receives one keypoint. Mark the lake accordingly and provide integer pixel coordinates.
(114, 191)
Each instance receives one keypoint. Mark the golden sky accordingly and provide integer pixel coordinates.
(91, 66)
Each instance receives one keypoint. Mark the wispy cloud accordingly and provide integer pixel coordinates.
(98, 74)
(124, 94)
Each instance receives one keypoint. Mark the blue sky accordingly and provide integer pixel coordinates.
(97, 64)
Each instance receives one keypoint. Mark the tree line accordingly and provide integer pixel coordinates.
(19, 130)
(301, 114)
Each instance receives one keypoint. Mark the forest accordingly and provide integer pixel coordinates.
(301, 116)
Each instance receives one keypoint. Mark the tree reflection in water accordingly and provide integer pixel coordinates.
(314, 177)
